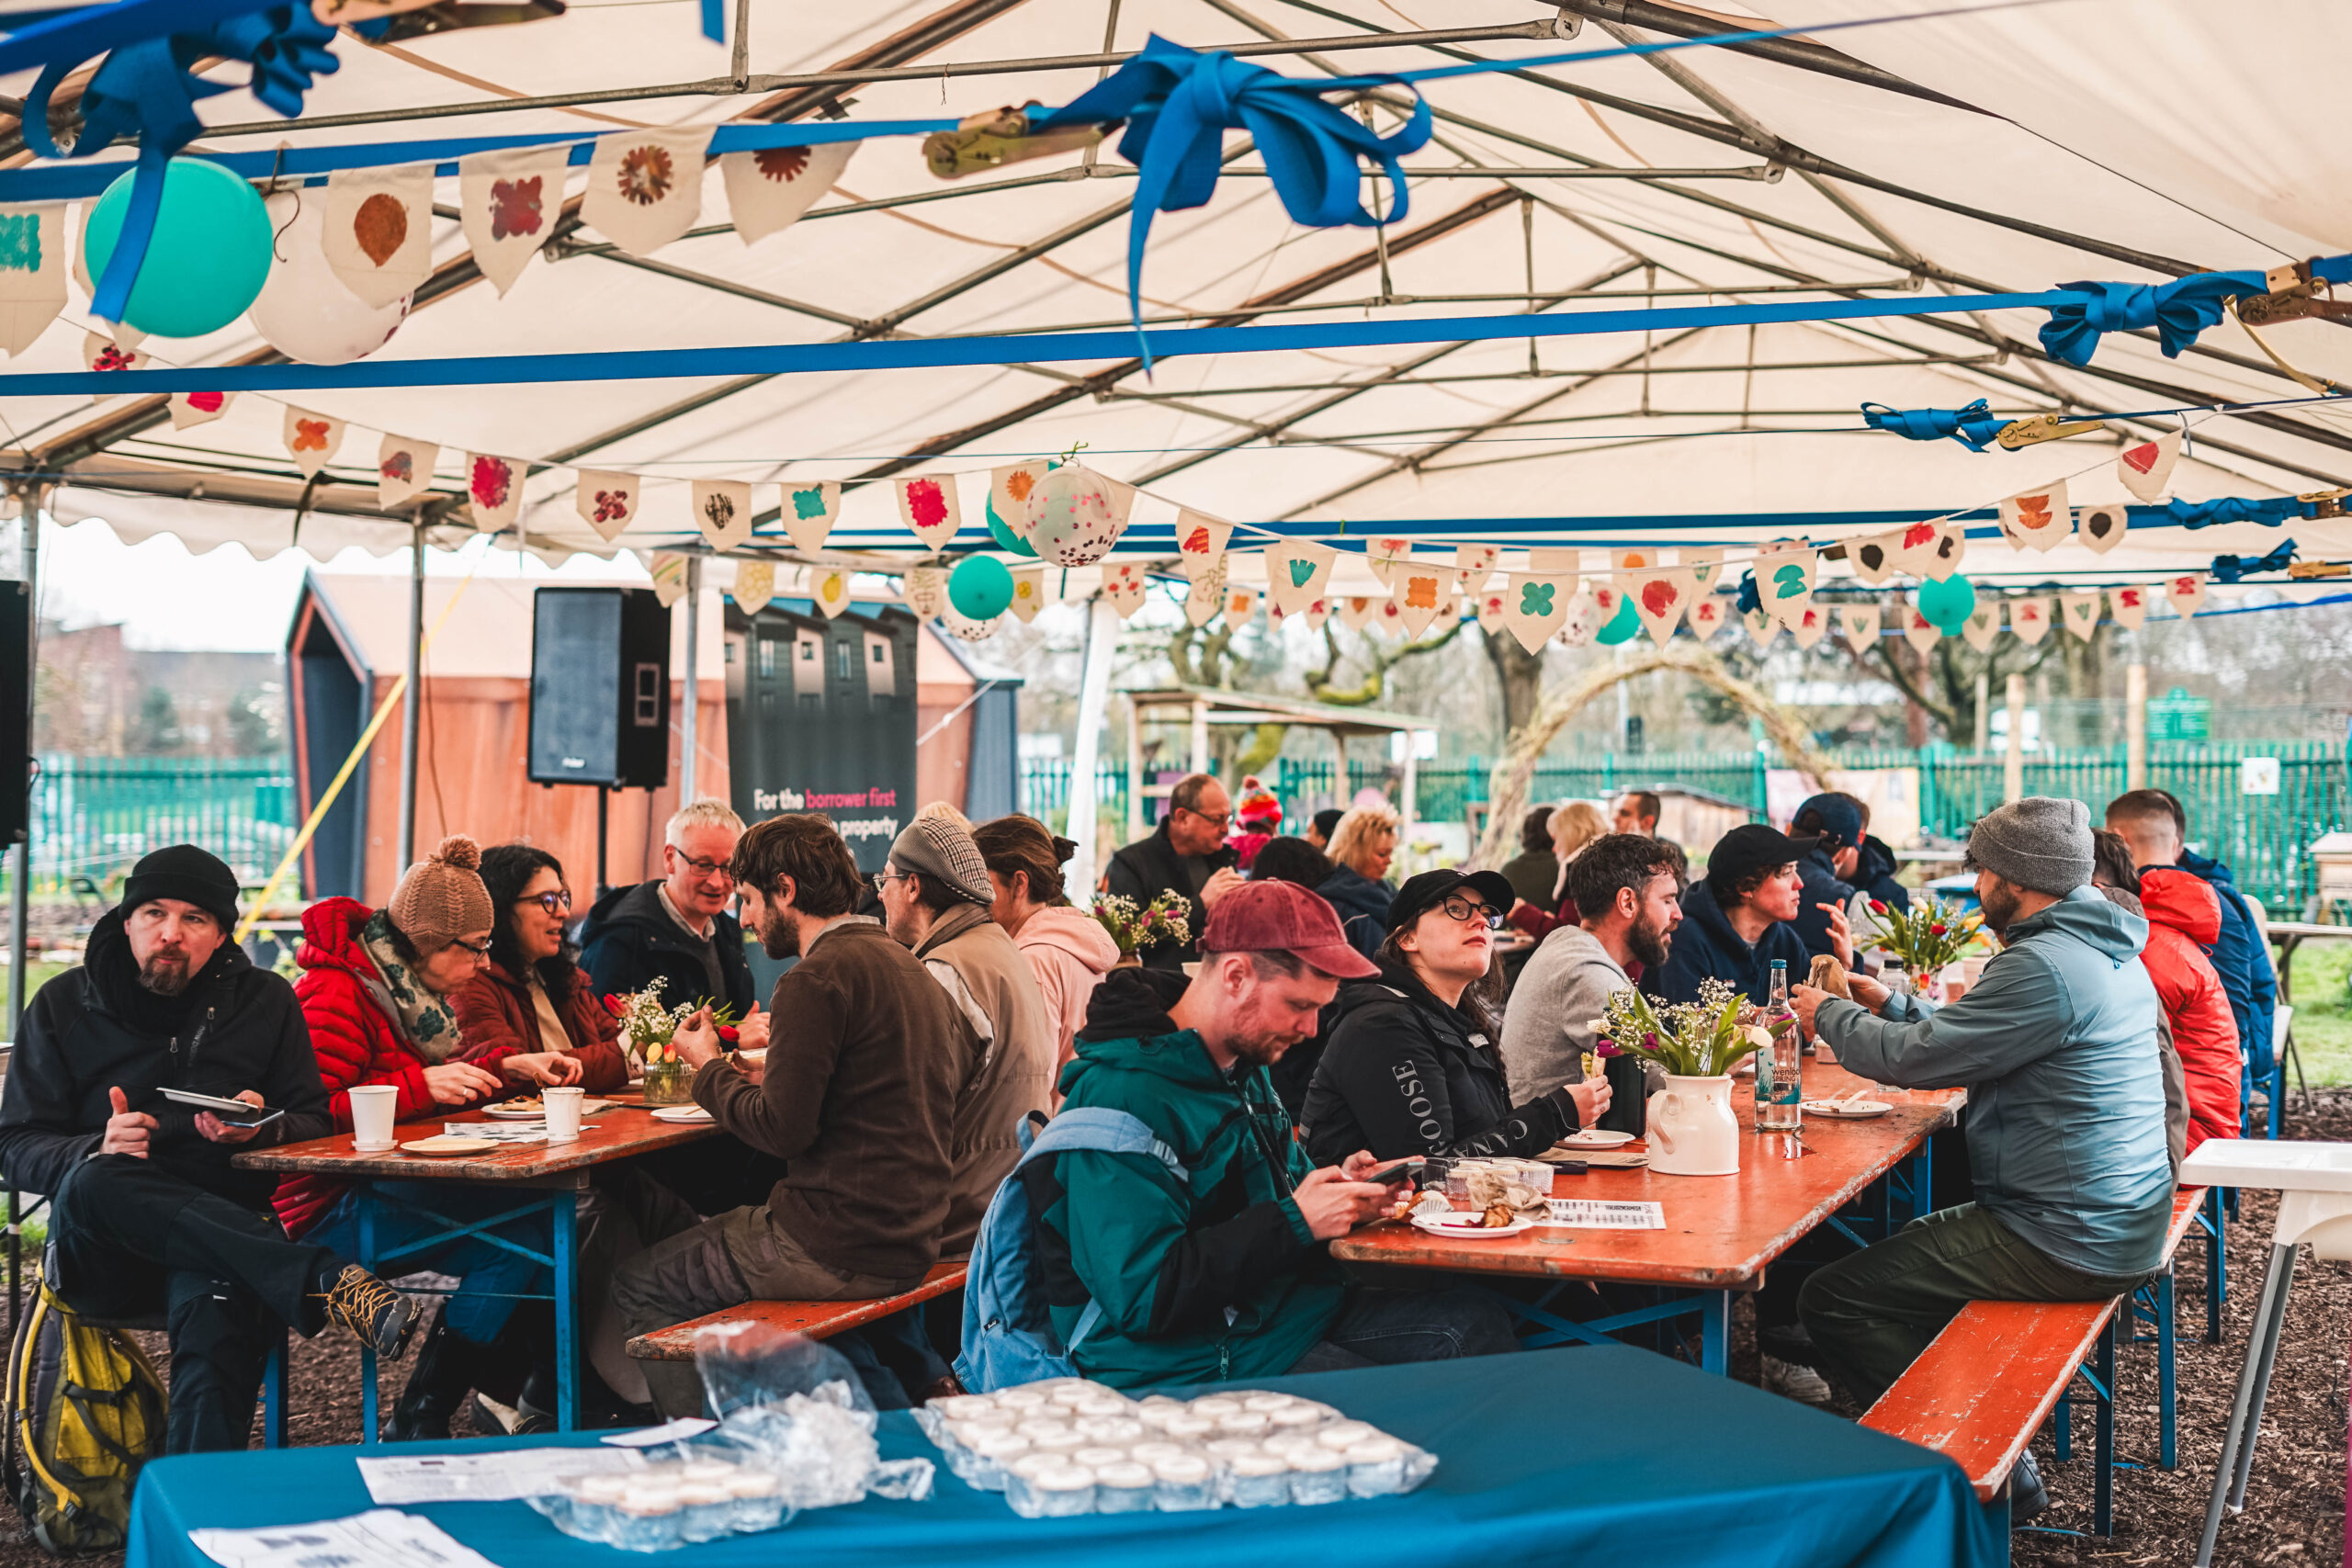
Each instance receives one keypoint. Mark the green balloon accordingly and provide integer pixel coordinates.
(981, 588)
(1948, 603)
(206, 259)
(1005, 537)
(1625, 623)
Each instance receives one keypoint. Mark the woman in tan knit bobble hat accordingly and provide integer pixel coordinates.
(378, 991)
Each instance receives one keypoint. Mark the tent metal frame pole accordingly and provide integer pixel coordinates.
(411, 701)
(21, 852)
(1093, 697)
(689, 758)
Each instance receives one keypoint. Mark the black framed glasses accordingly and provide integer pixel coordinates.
(718, 868)
(1466, 911)
(556, 903)
(481, 950)
(881, 880)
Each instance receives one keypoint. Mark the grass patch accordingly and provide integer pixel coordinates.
(2321, 979)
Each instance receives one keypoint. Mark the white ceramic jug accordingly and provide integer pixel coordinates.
(1692, 1129)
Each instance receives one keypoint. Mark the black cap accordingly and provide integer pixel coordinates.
(1425, 892)
(1748, 847)
(187, 873)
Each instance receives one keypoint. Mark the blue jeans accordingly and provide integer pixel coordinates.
(492, 1277)
(1384, 1328)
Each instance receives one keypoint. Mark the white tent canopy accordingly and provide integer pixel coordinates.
(2152, 128)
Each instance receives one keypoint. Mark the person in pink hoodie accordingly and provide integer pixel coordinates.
(1067, 952)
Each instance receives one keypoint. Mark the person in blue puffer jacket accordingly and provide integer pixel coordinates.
(2153, 824)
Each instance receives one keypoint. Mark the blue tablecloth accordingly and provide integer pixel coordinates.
(1590, 1455)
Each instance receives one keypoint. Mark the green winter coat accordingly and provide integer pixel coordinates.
(1214, 1277)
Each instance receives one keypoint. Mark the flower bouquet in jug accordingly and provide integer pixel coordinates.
(1696, 1040)
(1135, 927)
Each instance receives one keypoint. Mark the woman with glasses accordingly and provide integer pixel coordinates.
(378, 991)
(533, 1015)
(1411, 1063)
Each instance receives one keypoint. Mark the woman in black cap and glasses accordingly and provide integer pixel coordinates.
(1412, 1065)
(1738, 919)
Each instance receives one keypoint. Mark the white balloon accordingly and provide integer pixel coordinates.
(1077, 516)
(304, 312)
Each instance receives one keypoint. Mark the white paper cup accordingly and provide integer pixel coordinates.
(372, 1109)
(563, 1114)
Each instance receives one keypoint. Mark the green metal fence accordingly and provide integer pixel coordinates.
(92, 817)
(2264, 838)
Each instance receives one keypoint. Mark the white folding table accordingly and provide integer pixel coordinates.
(2314, 1186)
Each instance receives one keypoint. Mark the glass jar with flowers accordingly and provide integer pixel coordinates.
(1925, 940)
(1167, 918)
(646, 1029)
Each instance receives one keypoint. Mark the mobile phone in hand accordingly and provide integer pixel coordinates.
(1413, 1170)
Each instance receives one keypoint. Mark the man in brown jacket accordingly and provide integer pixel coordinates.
(936, 892)
(858, 1093)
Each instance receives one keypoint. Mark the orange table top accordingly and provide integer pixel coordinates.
(623, 1130)
(1721, 1231)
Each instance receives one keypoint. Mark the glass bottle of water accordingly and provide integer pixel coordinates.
(1784, 1112)
(1763, 1059)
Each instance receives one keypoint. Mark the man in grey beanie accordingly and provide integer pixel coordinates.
(2056, 1044)
(936, 894)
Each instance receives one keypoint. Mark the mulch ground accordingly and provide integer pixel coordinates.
(2294, 1510)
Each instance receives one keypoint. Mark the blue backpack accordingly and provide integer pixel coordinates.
(1009, 1334)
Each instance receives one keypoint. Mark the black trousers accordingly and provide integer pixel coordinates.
(127, 1239)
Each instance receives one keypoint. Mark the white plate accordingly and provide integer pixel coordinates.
(537, 1111)
(1846, 1110)
(681, 1114)
(448, 1144)
(1595, 1138)
(1453, 1225)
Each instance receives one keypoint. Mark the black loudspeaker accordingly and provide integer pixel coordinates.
(16, 709)
(600, 687)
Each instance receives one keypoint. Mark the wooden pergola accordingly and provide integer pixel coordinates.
(1201, 706)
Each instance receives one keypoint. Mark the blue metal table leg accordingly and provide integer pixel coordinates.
(566, 1209)
(2278, 1093)
(2168, 1410)
(2103, 1436)
(366, 1194)
(2217, 1264)
(273, 1395)
(1714, 1332)
(2061, 1437)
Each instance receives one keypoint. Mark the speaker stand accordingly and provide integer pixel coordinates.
(604, 807)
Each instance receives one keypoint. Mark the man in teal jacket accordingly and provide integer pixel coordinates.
(1222, 1273)
(2056, 1045)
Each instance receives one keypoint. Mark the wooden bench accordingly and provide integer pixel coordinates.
(818, 1320)
(2000, 1369)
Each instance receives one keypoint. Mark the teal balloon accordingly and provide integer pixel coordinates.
(1948, 603)
(981, 588)
(1005, 537)
(1623, 625)
(207, 260)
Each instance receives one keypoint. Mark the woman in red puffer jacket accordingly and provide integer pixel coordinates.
(2184, 917)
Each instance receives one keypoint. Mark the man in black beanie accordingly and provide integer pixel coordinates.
(146, 1212)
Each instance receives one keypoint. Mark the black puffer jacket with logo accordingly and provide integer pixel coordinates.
(1402, 1075)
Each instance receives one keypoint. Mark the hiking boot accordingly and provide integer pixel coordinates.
(1793, 1380)
(447, 1366)
(2028, 1496)
(379, 1316)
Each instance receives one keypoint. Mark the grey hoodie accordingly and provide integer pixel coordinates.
(2056, 1045)
(1548, 1026)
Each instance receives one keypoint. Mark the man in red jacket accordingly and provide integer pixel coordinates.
(2184, 916)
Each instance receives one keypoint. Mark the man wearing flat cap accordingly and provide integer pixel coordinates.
(936, 896)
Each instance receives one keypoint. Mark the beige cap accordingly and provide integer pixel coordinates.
(442, 897)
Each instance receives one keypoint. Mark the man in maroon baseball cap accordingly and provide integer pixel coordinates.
(1218, 1269)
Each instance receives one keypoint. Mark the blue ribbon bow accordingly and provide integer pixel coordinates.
(148, 88)
(1972, 426)
(2230, 569)
(2270, 512)
(2179, 311)
(1178, 102)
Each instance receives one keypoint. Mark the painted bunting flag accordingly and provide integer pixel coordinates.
(1200, 543)
(1533, 608)
(403, 467)
(509, 202)
(2080, 611)
(808, 511)
(310, 439)
(606, 502)
(377, 233)
(1297, 572)
(928, 506)
(2128, 604)
(754, 585)
(770, 187)
(645, 186)
(32, 272)
(2038, 519)
(2145, 466)
(723, 512)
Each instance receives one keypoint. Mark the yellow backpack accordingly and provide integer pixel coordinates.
(85, 1410)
